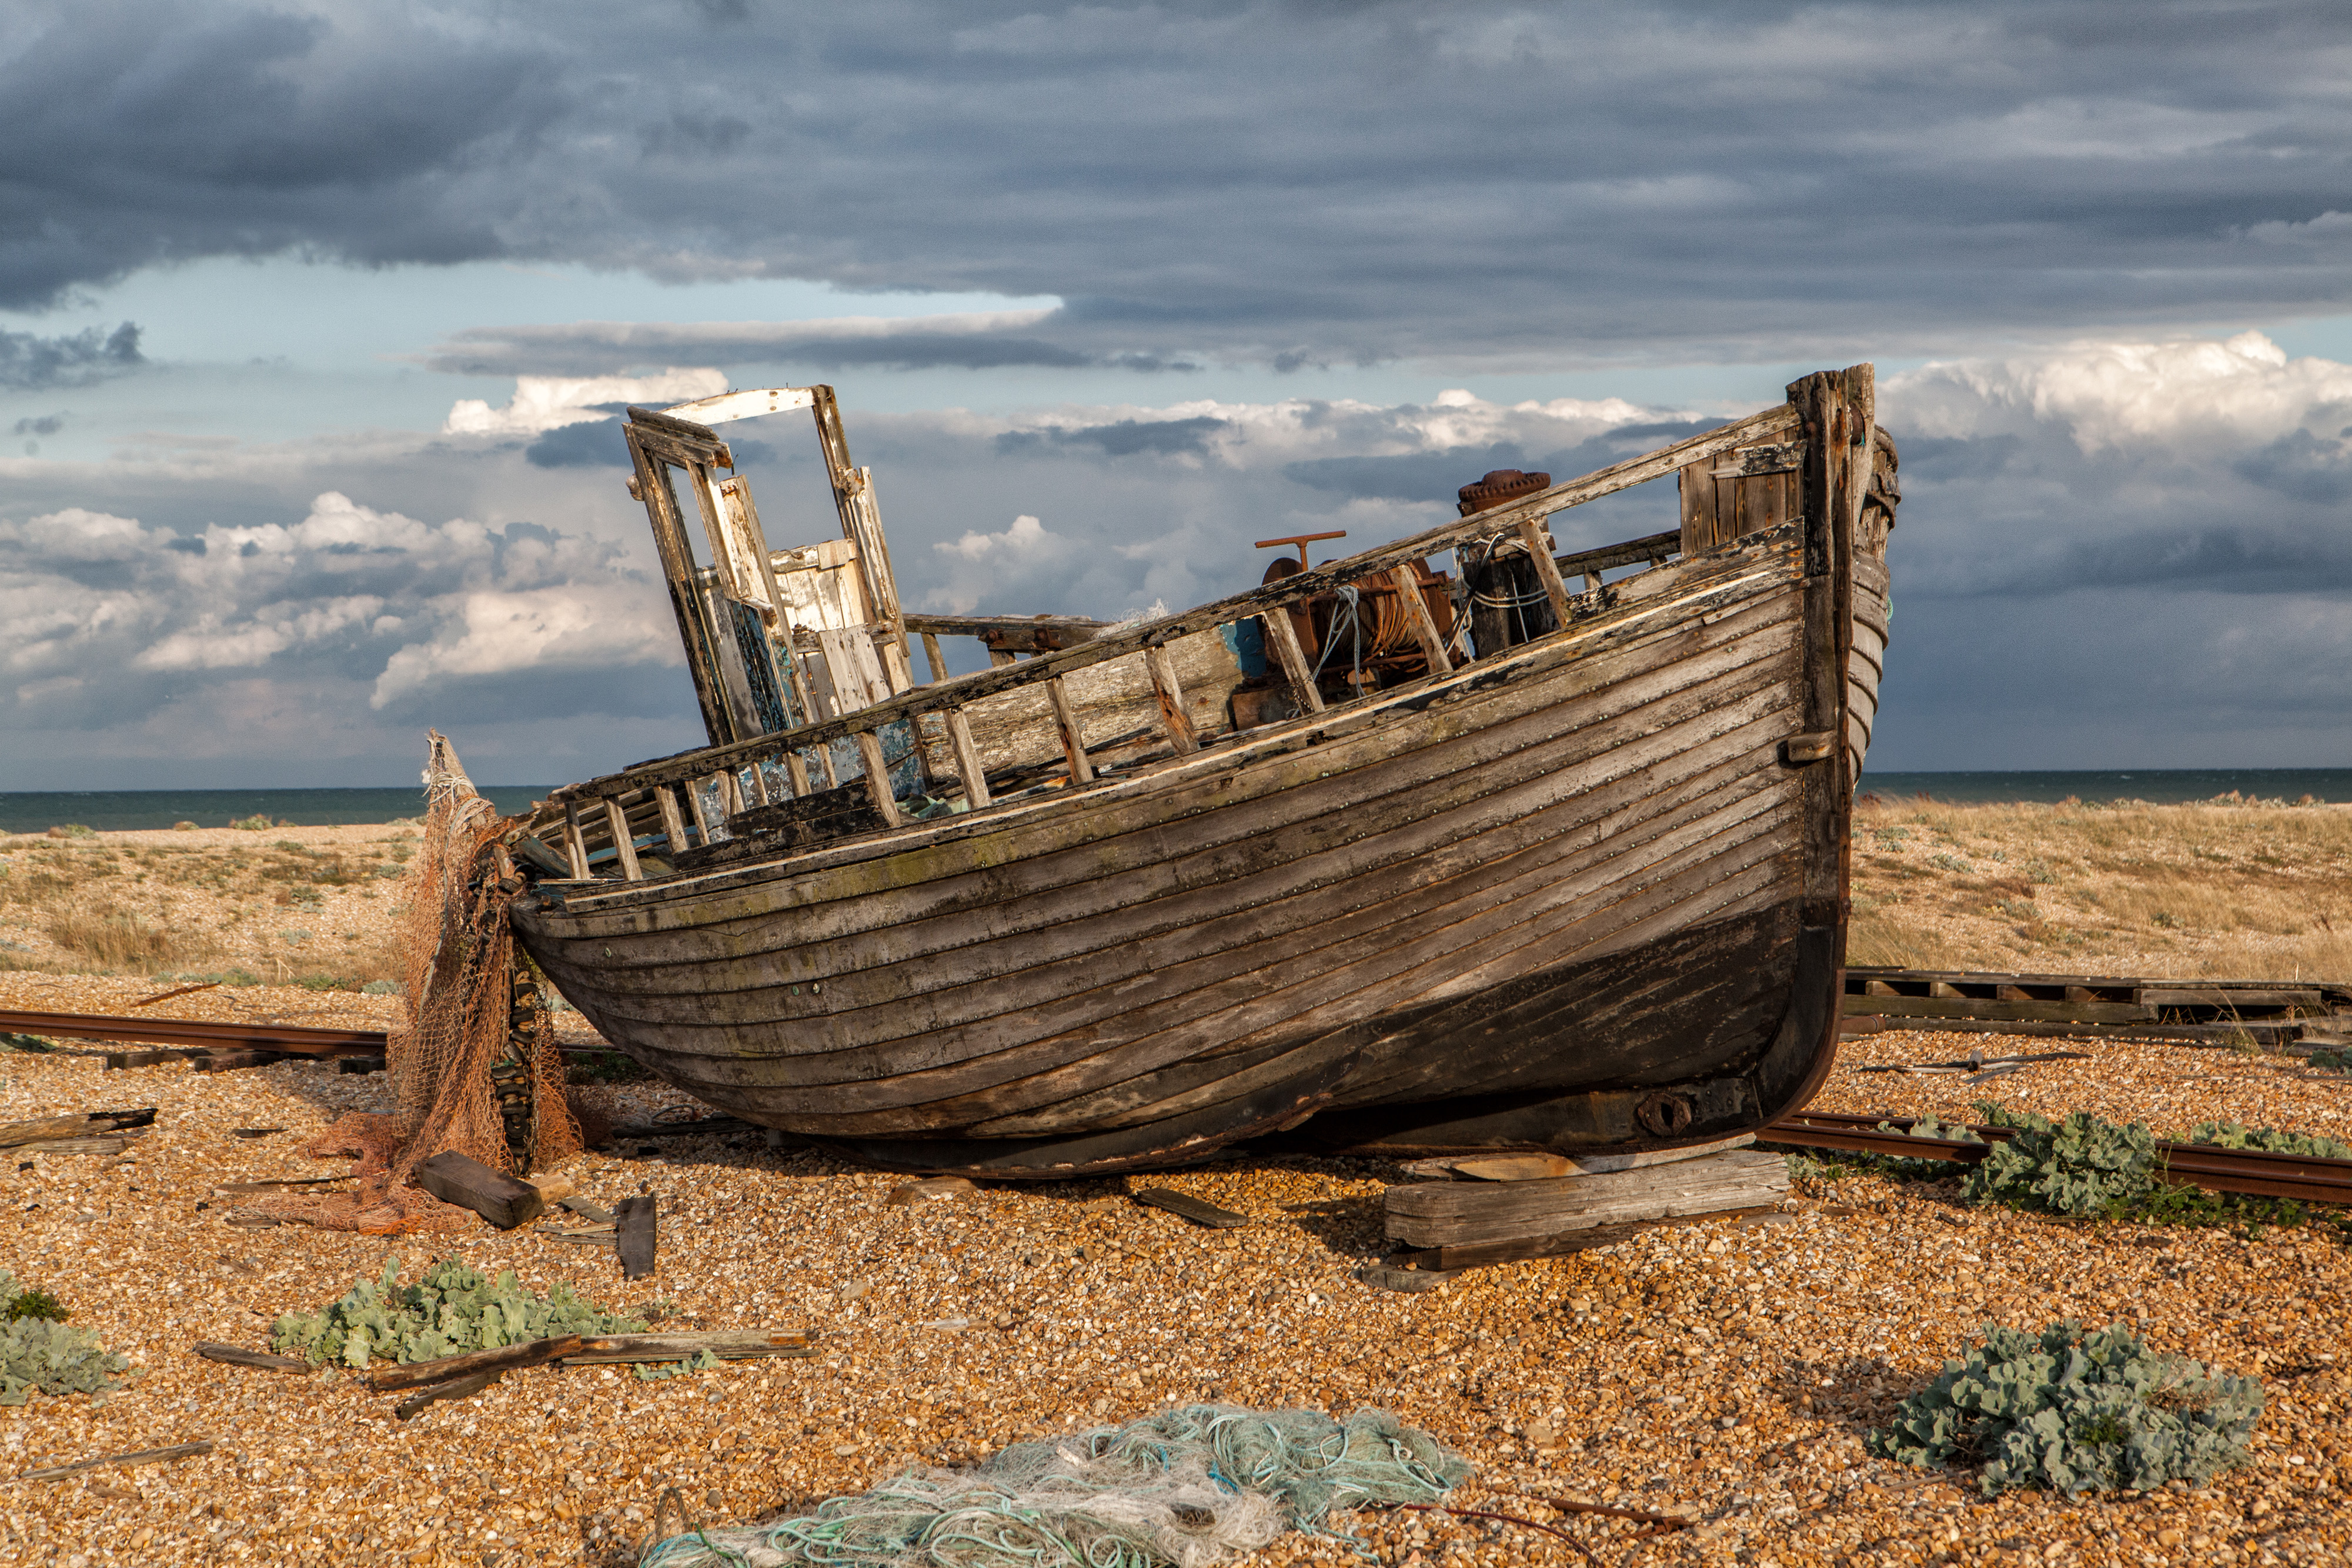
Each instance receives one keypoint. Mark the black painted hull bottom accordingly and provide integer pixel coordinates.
(1701, 1035)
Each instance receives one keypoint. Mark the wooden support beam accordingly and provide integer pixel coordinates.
(967, 758)
(495, 1195)
(693, 788)
(1416, 610)
(634, 1227)
(1173, 720)
(797, 772)
(624, 843)
(932, 656)
(730, 790)
(575, 846)
(1284, 639)
(1074, 742)
(1547, 568)
(673, 823)
(877, 777)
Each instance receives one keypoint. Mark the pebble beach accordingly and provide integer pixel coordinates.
(1718, 1375)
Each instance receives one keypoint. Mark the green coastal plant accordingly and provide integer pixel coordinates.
(39, 1350)
(2074, 1412)
(452, 1308)
(2080, 1166)
(2268, 1140)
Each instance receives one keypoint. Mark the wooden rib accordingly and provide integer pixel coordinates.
(933, 657)
(1593, 583)
(1175, 722)
(575, 847)
(797, 772)
(730, 790)
(967, 758)
(1074, 740)
(1293, 659)
(623, 840)
(877, 777)
(693, 788)
(1531, 534)
(758, 794)
(672, 824)
(1416, 610)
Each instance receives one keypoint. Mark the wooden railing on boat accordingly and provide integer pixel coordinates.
(643, 801)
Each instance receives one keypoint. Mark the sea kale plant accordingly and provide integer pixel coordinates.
(2267, 1140)
(2082, 1166)
(450, 1310)
(2074, 1412)
(39, 1350)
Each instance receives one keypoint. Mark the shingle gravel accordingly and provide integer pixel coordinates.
(1720, 1373)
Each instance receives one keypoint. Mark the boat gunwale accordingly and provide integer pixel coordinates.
(1753, 430)
(1719, 573)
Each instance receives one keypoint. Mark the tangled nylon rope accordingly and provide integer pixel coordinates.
(1188, 1488)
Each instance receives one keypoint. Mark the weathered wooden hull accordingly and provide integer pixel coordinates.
(1570, 897)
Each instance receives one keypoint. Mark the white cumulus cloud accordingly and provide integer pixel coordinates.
(541, 404)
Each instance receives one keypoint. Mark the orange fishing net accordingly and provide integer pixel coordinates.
(476, 1068)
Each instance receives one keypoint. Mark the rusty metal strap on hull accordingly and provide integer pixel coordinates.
(289, 1037)
(2255, 1174)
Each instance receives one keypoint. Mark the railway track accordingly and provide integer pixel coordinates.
(2301, 1177)
(2271, 1013)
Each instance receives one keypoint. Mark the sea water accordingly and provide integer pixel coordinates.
(2158, 786)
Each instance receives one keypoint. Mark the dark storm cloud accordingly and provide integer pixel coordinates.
(1124, 437)
(1292, 184)
(29, 361)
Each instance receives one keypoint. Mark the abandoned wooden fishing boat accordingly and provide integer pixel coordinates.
(1544, 853)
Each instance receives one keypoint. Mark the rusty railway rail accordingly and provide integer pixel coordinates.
(2276, 1013)
(2303, 1178)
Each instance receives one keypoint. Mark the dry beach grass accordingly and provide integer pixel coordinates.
(1723, 1372)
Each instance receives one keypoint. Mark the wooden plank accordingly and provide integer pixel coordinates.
(967, 758)
(624, 842)
(502, 1358)
(1416, 610)
(136, 1456)
(1175, 722)
(2218, 997)
(575, 846)
(877, 777)
(673, 823)
(2015, 1012)
(1074, 740)
(72, 1124)
(1461, 1214)
(237, 1355)
(635, 1234)
(465, 1387)
(498, 1197)
(1197, 1210)
(727, 1345)
(1283, 638)
(1443, 1263)
(932, 656)
(1531, 534)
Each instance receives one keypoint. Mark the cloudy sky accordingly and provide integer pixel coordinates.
(313, 318)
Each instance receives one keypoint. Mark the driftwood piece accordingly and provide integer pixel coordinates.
(237, 1355)
(119, 1061)
(75, 1125)
(1471, 1214)
(633, 1228)
(499, 1358)
(498, 1197)
(114, 1145)
(727, 1345)
(136, 1456)
(709, 1126)
(466, 1387)
(1192, 1208)
(1447, 1261)
(586, 1208)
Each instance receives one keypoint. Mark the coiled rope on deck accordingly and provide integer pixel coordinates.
(1188, 1487)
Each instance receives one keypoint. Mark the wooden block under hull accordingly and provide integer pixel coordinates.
(1457, 1214)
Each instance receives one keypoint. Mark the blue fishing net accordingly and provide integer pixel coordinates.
(1190, 1488)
